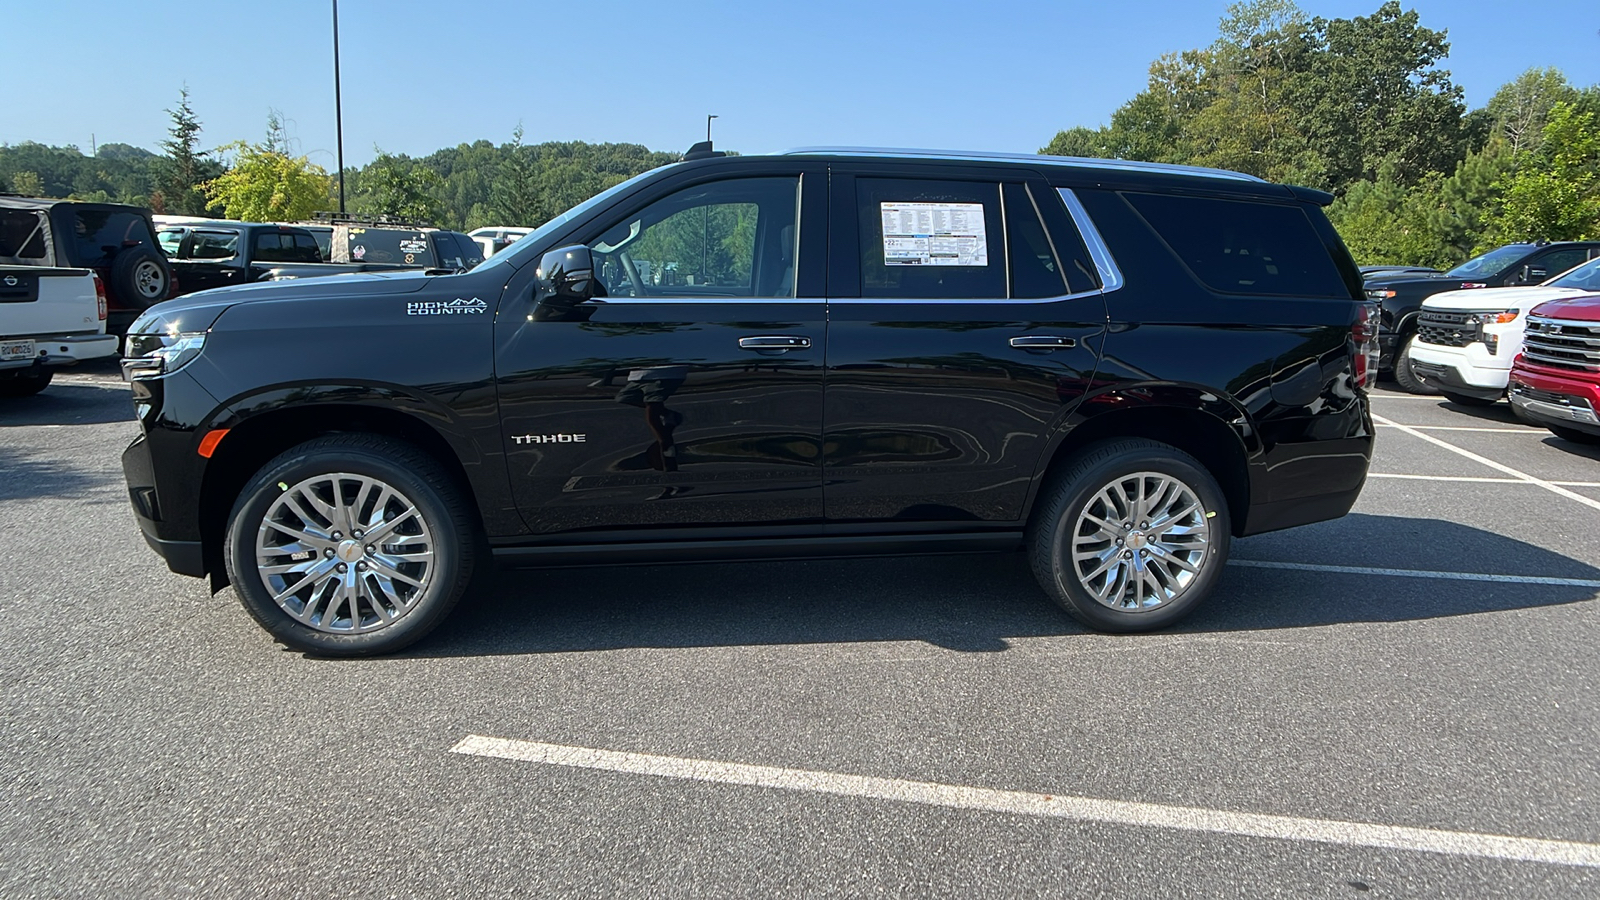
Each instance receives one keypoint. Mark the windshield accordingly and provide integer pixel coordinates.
(510, 254)
(1585, 277)
(1489, 264)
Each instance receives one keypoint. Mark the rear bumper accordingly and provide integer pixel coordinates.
(64, 349)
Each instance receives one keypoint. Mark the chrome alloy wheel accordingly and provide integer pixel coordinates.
(149, 280)
(345, 553)
(1140, 542)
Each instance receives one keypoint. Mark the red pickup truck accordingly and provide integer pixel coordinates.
(1555, 381)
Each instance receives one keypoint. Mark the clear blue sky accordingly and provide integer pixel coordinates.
(984, 74)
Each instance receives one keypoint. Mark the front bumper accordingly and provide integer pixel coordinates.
(64, 349)
(1554, 397)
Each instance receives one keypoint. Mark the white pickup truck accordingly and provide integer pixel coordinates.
(1467, 340)
(49, 317)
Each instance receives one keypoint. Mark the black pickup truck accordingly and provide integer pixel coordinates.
(220, 253)
(1400, 295)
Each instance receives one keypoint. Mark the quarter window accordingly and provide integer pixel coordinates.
(21, 234)
(732, 238)
(1241, 247)
(931, 240)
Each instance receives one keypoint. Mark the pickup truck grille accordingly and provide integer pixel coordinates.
(1445, 329)
(1563, 344)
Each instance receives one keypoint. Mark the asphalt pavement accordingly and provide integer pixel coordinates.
(1400, 703)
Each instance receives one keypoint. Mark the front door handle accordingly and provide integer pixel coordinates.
(773, 344)
(1043, 343)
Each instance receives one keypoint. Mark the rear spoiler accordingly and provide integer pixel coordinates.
(1310, 195)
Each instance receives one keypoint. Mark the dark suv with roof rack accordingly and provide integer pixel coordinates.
(1112, 367)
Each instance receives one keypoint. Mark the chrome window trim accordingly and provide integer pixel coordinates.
(1077, 162)
(1110, 275)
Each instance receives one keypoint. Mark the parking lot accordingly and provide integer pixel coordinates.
(1398, 703)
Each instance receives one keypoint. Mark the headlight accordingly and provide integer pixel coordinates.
(155, 355)
(1492, 317)
(1379, 293)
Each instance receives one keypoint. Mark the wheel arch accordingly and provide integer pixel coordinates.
(254, 440)
(1217, 433)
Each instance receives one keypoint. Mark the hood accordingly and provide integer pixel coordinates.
(1582, 308)
(197, 311)
(1380, 281)
(1523, 298)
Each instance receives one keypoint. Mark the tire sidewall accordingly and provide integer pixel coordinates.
(308, 462)
(1089, 482)
(124, 276)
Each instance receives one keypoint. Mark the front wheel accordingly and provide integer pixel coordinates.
(350, 545)
(1405, 377)
(1131, 536)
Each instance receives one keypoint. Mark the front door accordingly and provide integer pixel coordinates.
(691, 392)
(961, 330)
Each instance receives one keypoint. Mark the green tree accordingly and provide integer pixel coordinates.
(186, 167)
(398, 186)
(27, 184)
(268, 186)
(1556, 194)
(516, 184)
(1520, 109)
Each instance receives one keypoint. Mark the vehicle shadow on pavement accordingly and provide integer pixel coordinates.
(31, 476)
(1498, 414)
(1587, 451)
(981, 603)
(68, 404)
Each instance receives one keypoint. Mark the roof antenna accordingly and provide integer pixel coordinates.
(703, 150)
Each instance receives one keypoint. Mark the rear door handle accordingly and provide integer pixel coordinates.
(1043, 343)
(773, 344)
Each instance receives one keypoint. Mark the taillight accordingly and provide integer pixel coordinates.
(100, 297)
(1364, 335)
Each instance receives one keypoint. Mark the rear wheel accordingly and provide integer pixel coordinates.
(350, 545)
(24, 382)
(1407, 379)
(1574, 435)
(1131, 536)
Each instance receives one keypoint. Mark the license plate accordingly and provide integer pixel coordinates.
(16, 350)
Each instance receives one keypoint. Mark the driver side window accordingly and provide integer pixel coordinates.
(734, 238)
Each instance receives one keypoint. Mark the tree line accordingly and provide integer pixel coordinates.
(462, 187)
(1361, 108)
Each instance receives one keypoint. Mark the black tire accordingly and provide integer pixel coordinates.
(24, 383)
(1464, 400)
(1073, 491)
(140, 277)
(1407, 379)
(1574, 435)
(441, 515)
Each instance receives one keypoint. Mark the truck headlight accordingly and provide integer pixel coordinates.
(155, 355)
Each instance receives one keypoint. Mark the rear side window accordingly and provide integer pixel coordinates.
(22, 234)
(282, 246)
(101, 234)
(214, 245)
(931, 240)
(403, 247)
(1240, 247)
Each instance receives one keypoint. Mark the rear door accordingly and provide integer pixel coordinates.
(691, 393)
(964, 317)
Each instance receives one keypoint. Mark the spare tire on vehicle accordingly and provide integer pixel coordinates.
(140, 276)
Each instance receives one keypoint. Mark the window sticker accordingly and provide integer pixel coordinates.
(415, 245)
(934, 234)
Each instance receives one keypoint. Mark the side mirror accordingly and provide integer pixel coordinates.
(566, 274)
(1536, 275)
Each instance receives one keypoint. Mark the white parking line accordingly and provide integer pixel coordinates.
(1477, 480)
(1524, 476)
(1539, 431)
(1415, 573)
(1083, 809)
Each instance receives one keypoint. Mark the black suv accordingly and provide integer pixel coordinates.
(1114, 367)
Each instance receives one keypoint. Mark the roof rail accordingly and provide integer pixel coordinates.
(1126, 165)
(338, 218)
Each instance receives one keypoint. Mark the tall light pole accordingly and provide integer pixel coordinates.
(338, 110)
(705, 236)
